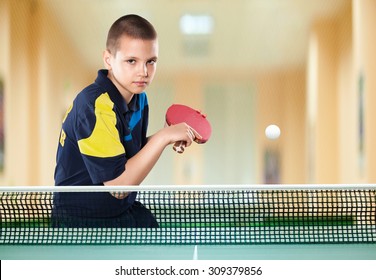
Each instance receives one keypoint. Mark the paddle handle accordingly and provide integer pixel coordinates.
(179, 147)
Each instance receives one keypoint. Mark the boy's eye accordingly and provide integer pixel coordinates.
(131, 61)
(151, 62)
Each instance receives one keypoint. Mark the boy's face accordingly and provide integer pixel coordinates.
(133, 66)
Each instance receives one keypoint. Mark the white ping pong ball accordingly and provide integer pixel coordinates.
(272, 132)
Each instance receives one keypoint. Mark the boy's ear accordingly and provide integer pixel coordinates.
(107, 59)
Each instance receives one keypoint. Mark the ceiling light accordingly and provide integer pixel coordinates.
(198, 24)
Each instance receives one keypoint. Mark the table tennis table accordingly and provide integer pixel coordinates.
(190, 252)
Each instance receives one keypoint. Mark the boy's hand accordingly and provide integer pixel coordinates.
(198, 127)
(181, 132)
(119, 195)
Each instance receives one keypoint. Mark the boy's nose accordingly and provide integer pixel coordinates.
(143, 70)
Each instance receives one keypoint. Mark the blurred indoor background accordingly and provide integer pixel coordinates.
(307, 66)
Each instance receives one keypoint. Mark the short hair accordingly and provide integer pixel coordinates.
(133, 26)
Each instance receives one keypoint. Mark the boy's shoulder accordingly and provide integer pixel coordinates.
(90, 93)
(88, 96)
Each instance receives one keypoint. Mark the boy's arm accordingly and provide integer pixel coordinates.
(139, 166)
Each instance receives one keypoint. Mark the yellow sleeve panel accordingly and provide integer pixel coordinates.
(104, 140)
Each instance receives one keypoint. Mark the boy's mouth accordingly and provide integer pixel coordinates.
(141, 83)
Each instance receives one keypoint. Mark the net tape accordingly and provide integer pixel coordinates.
(207, 217)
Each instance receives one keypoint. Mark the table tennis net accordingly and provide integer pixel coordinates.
(205, 217)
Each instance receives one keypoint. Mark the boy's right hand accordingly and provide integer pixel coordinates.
(180, 133)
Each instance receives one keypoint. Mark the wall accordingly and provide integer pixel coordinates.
(349, 170)
(364, 20)
(341, 70)
(325, 134)
(281, 101)
(42, 74)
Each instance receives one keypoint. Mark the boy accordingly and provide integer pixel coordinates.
(103, 138)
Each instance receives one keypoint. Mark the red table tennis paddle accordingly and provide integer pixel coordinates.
(178, 113)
